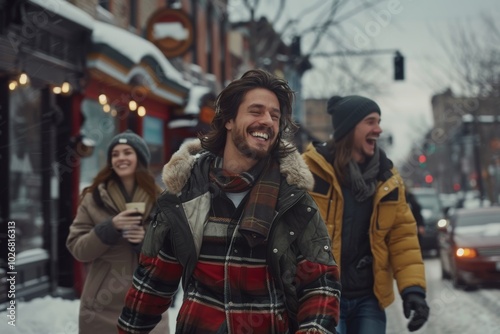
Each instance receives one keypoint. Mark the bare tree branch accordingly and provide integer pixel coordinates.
(321, 28)
(474, 54)
(279, 11)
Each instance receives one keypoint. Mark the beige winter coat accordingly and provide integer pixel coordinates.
(111, 261)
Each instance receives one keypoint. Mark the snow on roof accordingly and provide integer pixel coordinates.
(195, 94)
(173, 30)
(182, 123)
(135, 48)
(67, 10)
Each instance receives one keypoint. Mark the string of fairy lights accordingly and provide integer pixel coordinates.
(110, 108)
(23, 80)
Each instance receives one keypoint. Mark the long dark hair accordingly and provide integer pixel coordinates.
(229, 100)
(341, 154)
(143, 177)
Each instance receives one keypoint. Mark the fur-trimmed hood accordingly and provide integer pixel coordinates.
(178, 170)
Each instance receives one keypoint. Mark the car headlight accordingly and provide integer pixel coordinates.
(466, 253)
(442, 223)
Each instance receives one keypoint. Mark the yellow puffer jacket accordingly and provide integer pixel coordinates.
(393, 232)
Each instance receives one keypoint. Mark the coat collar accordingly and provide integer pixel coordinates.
(385, 169)
(177, 171)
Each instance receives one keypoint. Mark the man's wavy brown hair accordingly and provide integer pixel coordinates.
(229, 100)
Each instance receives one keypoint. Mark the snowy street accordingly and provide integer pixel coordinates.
(452, 311)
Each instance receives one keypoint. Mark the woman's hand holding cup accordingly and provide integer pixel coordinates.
(129, 222)
(134, 233)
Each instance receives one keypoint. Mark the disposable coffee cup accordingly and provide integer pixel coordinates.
(139, 206)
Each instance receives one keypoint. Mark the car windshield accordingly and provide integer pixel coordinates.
(478, 219)
(429, 202)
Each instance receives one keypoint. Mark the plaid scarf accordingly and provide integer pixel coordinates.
(264, 181)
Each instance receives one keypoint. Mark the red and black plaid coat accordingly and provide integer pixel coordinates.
(288, 284)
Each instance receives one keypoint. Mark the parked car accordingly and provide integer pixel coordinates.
(470, 247)
(432, 211)
(449, 200)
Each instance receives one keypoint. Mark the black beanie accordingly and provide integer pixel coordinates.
(348, 111)
(138, 144)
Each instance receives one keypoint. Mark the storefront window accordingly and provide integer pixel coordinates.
(101, 127)
(153, 135)
(25, 181)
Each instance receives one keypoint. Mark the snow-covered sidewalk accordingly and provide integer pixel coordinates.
(49, 315)
(42, 315)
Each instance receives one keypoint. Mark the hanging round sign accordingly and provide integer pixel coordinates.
(171, 31)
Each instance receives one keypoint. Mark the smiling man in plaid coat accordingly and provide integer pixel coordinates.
(237, 225)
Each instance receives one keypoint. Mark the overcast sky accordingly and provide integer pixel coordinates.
(412, 27)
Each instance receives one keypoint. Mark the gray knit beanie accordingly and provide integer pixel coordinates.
(348, 111)
(138, 144)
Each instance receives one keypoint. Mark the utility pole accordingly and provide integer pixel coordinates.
(474, 121)
(477, 157)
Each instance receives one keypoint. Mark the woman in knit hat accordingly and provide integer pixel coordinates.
(108, 236)
(361, 197)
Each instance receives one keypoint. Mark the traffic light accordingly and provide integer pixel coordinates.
(422, 160)
(429, 178)
(295, 46)
(399, 66)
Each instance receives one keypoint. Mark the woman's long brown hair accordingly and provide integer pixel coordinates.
(143, 177)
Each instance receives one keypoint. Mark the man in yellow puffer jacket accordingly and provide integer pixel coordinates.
(361, 197)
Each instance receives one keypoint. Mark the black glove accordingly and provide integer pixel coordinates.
(417, 303)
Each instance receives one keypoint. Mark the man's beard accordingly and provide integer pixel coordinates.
(241, 144)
